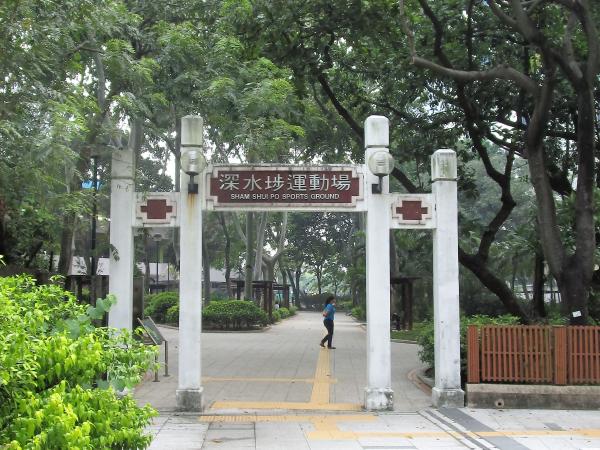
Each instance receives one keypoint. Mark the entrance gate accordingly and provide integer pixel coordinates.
(341, 188)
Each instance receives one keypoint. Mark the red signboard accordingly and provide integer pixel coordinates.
(293, 185)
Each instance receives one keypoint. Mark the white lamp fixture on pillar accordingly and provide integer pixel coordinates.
(193, 163)
(381, 164)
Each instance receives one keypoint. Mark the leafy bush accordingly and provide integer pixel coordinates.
(344, 306)
(233, 314)
(426, 336)
(276, 316)
(172, 315)
(359, 313)
(292, 310)
(284, 313)
(157, 305)
(53, 361)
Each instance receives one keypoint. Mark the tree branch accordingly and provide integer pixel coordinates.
(505, 18)
(358, 130)
(504, 72)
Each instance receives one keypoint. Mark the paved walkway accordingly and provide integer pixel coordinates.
(279, 390)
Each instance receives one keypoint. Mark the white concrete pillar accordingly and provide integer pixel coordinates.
(447, 390)
(189, 391)
(378, 393)
(122, 205)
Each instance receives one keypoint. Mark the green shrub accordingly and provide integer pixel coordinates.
(172, 315)
(292, 310)
(284, 313)
(276, 316)
(157, 305)
(344, 306)
(426, 336)
(53, 361)
(233, 314)
(359, 313)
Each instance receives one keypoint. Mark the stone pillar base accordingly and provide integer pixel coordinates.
(189, 399)
(448, 398)
(379, 399)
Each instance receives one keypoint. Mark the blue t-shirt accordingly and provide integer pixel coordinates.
(330, 310)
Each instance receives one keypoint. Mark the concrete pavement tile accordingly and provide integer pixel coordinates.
(577, 443)
(232, 426)
(369, 427)
(280, 436)
(222, 442)
(226, 446)
(174, 444)
(382, 443)
(334, 445)
(437, 443)
(159, 420)
(229, 435)
(561, 442)
(408, 423)
(451, 447)
(531, 443)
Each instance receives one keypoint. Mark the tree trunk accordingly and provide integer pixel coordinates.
(495, 284)
(260, 243)
(223, 222)
(538, 286)
(146, 260)
(396, 292)
(205, 273)
(319, 275)
(66, 244)
(177, 153)
(248, 294)
(298, 274)
(294, 278)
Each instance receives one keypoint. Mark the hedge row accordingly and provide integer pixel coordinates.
(234, 314)
(223, 314)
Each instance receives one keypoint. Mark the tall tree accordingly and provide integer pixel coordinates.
(559, 72)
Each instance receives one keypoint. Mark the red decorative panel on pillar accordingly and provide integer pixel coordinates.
(156, 209)
(413, 211)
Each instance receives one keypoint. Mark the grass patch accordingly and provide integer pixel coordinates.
(408, 335)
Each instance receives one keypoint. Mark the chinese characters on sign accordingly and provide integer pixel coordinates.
(284, 185)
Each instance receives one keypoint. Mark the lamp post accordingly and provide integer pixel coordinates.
(93, 263)
(378, 393)
(189, 385)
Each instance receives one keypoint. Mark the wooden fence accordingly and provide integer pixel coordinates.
(533, 354)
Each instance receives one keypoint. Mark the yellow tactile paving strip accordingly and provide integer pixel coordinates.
(263, 380)
(319, 399)
(320, 391)
(326, 428)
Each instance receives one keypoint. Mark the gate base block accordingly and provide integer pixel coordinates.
(189, 399)
(448, 398)
(379, 399)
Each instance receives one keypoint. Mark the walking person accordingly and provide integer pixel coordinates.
(328, 314)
